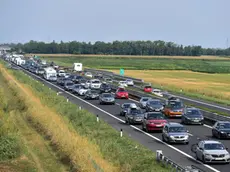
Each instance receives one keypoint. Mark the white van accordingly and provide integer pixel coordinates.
(50, 74)
(95, 83)
(77, 67)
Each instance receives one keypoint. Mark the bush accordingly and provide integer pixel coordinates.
(9, 147)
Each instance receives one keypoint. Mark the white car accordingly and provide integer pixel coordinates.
(143, 101)
(157, 92)
(61, 73)
(123, 84)
(129, 82)
(88, 74)
(82, 91)
(211, 151)
(95, 83)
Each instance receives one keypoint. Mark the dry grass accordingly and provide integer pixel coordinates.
(212, 85)
(130, 56)
(77, 148)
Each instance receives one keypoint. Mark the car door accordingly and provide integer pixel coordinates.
(215, 128)
(145, 119)
(165, 132)
(200, 149)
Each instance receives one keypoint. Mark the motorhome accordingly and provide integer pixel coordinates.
(77, 67)
(50, 74)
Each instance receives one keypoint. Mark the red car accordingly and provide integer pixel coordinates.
(121, 93)
(153, 121)
(148, 89)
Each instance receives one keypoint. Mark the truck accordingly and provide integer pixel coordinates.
(77, 67)
(50, 74)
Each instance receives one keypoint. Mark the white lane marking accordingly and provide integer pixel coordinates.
(155, 138)
(117, 104)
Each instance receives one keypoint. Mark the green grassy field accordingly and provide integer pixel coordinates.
(124, 153)
(213, 87)
(22, 148)
(136, 63)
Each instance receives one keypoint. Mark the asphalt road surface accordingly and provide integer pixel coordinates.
(180, 154)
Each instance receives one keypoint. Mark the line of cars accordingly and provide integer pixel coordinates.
(155, 116)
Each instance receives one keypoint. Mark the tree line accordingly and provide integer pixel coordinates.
(118, 48)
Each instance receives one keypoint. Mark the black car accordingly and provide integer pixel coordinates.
(221, 129)
(154, 105)
(192, 116)
(124, 108)
(91, 94)
(172, 98)
(63, 80)
(68, 85)
(76, 78)
(134, 116)
(105, 88)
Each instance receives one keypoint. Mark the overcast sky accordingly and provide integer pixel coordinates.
(187, 22)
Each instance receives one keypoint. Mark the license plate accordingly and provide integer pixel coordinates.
(122, 96)
(196, 120)
(218, 158)
(158, 125)
(157, 109)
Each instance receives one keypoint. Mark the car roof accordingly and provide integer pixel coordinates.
(210, 141)
(174, 124)
(222, 122)
(106, 94)
(192, 108)
(155, 100)
(146, 97)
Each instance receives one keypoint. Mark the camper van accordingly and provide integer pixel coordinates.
(50, 74)
(77, 67)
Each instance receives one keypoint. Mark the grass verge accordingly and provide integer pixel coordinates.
(22, 149)
(124, 153)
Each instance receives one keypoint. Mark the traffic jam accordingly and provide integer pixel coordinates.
(152, 114)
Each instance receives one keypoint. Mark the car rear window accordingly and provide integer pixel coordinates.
(148, 87)
(155, 116)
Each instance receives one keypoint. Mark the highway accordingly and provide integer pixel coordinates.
(181, 154)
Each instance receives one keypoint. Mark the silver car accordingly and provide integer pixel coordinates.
(106, 98)
(175, 133)
(143, 101)
(211, 151)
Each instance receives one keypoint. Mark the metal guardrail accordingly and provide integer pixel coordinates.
(175, 167)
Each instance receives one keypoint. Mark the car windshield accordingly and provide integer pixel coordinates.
(224, 125)
(108, 79)
(145, 99)
(69, 83)
(148, 87)
(121, 90)
(126, 105)
(155, 103)
(156, 91)
(193, 112)
(177, 129)
(107, 95)
(214, 146)
(105, 86)
(77, 86)
(95, 82)
(136, 111)
(176, 104)
(93, 92)
(155, 116)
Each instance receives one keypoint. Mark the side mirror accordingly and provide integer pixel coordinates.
(187, 131)
(145, 117)
(194, 148)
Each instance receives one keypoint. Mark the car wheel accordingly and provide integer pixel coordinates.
(218, 136)
(203, 159)
(196, 157)
(147, 130)
(163, 138)
(213, 135)
(143, 127)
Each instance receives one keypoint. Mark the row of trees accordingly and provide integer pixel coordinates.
(119, 48)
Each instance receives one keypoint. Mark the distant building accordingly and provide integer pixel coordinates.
(4, 49)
